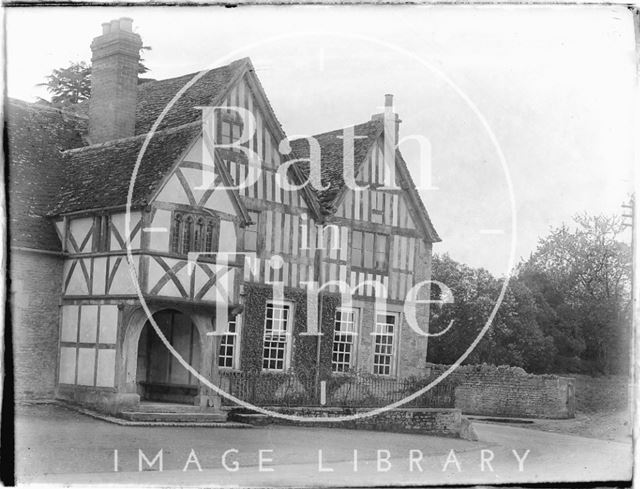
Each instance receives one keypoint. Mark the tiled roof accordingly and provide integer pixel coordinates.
(332, 171)
(154, 96)
(331, 158)
(99, 176)
(36, 136)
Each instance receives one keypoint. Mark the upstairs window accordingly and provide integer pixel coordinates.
(193, 232)
(231, 129)
(369, 251)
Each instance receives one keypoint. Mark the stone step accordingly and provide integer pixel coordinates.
(173, 417)
(163, 407)
(255, 419)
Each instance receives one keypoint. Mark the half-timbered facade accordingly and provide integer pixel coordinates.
(155, 220)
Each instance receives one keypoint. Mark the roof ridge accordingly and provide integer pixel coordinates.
(234, 62)
(36, 106)
(374, 121)
(114, 142)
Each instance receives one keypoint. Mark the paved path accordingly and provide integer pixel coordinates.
(59, 446)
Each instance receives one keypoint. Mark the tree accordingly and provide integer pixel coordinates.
(71, 85)
(566, 309)
(584, 275)
(514, 338)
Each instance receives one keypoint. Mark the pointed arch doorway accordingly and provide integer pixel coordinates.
(160, 376)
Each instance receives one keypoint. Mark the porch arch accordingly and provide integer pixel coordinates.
(135, 322)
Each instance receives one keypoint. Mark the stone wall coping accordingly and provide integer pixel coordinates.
(361, 409)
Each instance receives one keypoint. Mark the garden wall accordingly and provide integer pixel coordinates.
(440, 422)
(510, 391)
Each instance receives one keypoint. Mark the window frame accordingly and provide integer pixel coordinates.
(183, 221)
(288, 336)
(353, 354)
(395, 337)
(235, 356)
(362, 251)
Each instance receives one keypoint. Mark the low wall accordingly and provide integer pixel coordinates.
(510, 391)
(440, 422)
(99, 399)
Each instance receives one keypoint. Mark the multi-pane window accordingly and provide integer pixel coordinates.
(383, 344)
(277, 336)
(229, 346)
(251, 233)
(192, 232)
(344, 335)
(380, 256)
(231, 129)
(101, 238)
(369, 251)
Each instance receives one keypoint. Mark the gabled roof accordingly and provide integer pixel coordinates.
(331, 159)
(332, 170)
(154, 96)
(36, 135)
(98, 176)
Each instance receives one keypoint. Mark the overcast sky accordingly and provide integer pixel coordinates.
(554, 85)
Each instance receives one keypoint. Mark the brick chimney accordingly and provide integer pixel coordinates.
(392, 119)
(114, 82)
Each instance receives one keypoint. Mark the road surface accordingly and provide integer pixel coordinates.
(55, 445)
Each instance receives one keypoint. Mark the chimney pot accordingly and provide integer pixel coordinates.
(126, 24)
(388, 100)
(114, 82)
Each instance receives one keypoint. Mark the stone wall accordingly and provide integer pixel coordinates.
(36, 282)
(510, 391)
(440, 422)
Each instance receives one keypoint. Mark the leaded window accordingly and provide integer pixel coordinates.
(228, 346)
(384, 344)
(193, 233)
(344, 335)
(276, 344)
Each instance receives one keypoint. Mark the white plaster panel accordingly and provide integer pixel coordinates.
(86, 365)
(88, 323)
(67, 371)
(78, 284)
(123, 281)
(228, 240)
(118, 222)
(173, 191)
(221, 201)
(79, 228)
(99, 276)
(108, 324)
(69, 327)
(159, 239)
(106, 368)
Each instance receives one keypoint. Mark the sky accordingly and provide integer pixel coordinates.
(528, 111)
